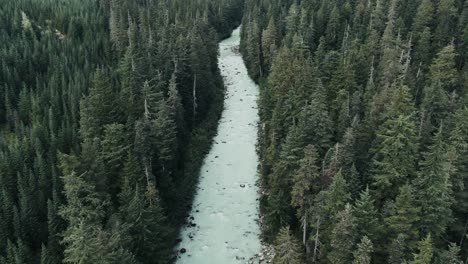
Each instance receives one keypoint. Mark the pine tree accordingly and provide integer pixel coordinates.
(101, 107)
(165, 131)
(279, 201)
(435, 106)
(433, 188)
(315, 121)
(425, 253)
(338, 195)
(147, 227)
(450, 256)
(343, 237)
(346, 160)
(305, 186)
(364, 251)
(366, 216)
(404, 217)
(53, 250)
(176, 109)
(114, 149)
(287, 248)
(459, 150)
(394, 162)
(269, 40)
(446, 23)
(443, 68)
(423, 19)
(397, 251)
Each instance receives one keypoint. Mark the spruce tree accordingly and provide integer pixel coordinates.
(305, 187)
(450, 256)
(364, 251)
(287, 248)
(337, 195)
(366, 217)
(394, 161)
(404, 217)
(343, 237)
(425, 252)
(433, 188)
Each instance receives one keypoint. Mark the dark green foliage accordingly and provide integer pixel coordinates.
(287, 248)
(364, 251)
(433, 189)
(96, 106)
(366, 215)
(343, 237)
(402, 220)
(425, 252)
(369, 84)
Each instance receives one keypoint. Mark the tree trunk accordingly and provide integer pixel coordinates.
(304, 229)
(316, 249)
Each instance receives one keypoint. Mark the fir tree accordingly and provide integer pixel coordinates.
(364, 251)
(404, 217)
(287, 248)
(366, 216)
(305, 186)
(433, 188)
(343, 237)
(425, 252)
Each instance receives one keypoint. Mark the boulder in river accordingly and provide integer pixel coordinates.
(183, 250)
(242, 185)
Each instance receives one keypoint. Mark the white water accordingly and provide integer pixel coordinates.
(225, 213)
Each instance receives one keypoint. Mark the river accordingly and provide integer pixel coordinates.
(223, 226)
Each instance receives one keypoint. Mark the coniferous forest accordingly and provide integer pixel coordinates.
(364, 128)
(108, 107)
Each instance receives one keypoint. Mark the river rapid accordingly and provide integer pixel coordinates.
(223, 225)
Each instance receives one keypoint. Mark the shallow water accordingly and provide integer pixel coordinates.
(225, 208)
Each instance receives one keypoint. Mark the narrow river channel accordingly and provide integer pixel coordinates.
(224, 226)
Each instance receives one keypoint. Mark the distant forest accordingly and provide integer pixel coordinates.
(363, 137)
(106, 110)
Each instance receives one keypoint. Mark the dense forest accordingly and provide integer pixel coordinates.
(363, 138)
(107, 108)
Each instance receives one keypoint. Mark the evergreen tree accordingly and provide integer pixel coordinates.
(99, 108)
(433, 188)
(287, 248)
(366, 216)
(450, 256)
(315, 121)
(147, 227)
(364, 251)
(305, 186)
(343, 237)
(338, 195)
(425, 253)
(443, 68)
(404, 217)
(459, 150)
(394, 160)
(397, 250)
(446, 23)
